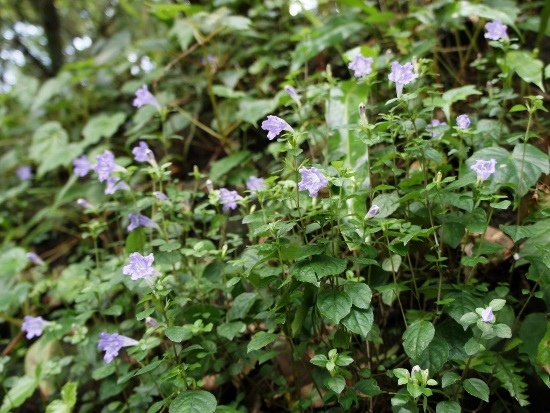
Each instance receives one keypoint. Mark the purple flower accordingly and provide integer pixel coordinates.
(34, 258)
(24, 172)
(255, 184)
(361, 65)
(105, 165)
(144, 97)
(293, 94)
(142, 153)
(33, 326)
(487, 315)
(275, 125)
(82, 166)
(83, 203)
(140, 267)
(228, 199)
(312, 180)
(435, 127)
(114, 184)
(112, 343)
(463, 121)
(495, 30)
(401, 75)
(373, 211)
(484, 169)
(138, 220)
(160, 196)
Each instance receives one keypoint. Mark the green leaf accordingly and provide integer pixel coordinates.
(447, 407)
(303, 272)
(22, 389)
(224, 165)
(449, 378)
(531, 333)
(193, 401)
(102, 126)
(497, 304)
(392, 264)
(68, 396)
(105, 370)
(435, 356)
(184, 31)
(241, 305)
(360, 294)
(178, 334)
(12, 261)
(252, 110)
(526, 66)
(451, 96)
(336, 384)
(477, 388)
(388, 204)
(231, 329)
(359, 321)
(473, 261)
(509, 377)
(334, 304)
(324, 265)
(476, 221)
(260, 340)
(417, 338)
(543, 350)
(368, 387)
(518, 232)
(51, 88)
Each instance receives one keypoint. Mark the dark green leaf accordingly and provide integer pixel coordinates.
(417, 338)
(334, 305)
(477, 388)
(193, 401)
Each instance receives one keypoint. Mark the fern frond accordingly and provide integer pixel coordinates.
(507, 373)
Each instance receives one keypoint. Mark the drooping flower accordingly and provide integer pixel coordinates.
(293, 94)
(33, 326)
(463, 121)
(112, 343)
(495, 30)
(484, 169)
(312, 180)
(34, 258)
(24, 172)
(105, 165)
(229, 199)
(114, 184)
(82, 166)
(435, 127)
(140, 267)
(138, 220)
(402, 75)
(144, 97)
(142, 153)
(361, 65)
(373, 211)
(487, 315)
(275, 125)
(255, 184)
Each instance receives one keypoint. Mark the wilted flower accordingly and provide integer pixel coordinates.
(142, 153)
(228, 199)
(112, 343)
(275, 125)
(463, 121)
(484, 169)
(144, 97)
(401, 75)
(487, 315)
(33, 326)
(24, 172)
(293, 94)
(373, 211)
(114, 184)
(105, 165)
(34, 258)
(312, 180)
(255, 184)
(82, 166)
(140, 267)
(138, 220)
(495, 30)
(361, 65)
(435, 127)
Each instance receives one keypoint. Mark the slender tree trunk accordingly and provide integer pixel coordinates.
(52, 29)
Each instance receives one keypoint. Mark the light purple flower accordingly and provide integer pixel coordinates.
(293, 94)
(112, 343)
(402, 75)
(34, 258)
(138, 220)
(24, 172)
(83, 203)
(484, 169)
(496, 30)
(361, 65)
(373, 211)
(312, 180)
(463, 121)
(105, 165)
(275, 125)
(33, 326)
(160, 196)
(142, 153)
(114, 184)
(82, 166)
(255, 184)
(144, 97)
(140, 267)
(229, 199)
(435, 127)
(487, 315)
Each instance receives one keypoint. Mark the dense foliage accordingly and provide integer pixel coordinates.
(254, 206)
